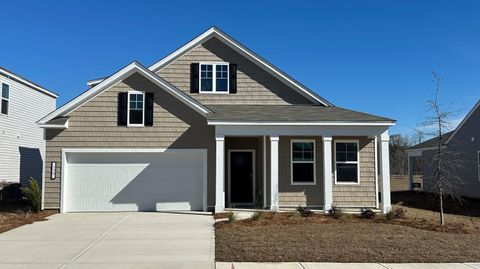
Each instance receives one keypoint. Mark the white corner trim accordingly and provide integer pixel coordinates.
(298, 123)
(28, 83)
(235, 45)
(475, 107)
(130, 69)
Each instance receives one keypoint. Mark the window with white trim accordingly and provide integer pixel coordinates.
(214, 78)
(303, 162)
(136, 108)
(5, 103)
(346, 162)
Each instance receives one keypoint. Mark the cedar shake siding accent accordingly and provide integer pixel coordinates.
(94, 125)
(254, 85)
(363, 194)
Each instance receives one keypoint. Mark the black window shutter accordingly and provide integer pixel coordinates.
(194, 77)
(149, 109)
(122, 109)
(233, 78)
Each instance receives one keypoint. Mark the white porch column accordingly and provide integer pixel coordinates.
(385, 171)
(220, 174)
(274, 173)
(327, 173)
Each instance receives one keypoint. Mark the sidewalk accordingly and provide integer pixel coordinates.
(309, 265)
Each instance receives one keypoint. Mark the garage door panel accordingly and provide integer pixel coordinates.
(135, 182)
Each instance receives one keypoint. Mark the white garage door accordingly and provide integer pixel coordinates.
(134, 181)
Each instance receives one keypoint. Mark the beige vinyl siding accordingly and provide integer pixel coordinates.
(254, 85)
(94, 125)
(363, 194)
(294, 195)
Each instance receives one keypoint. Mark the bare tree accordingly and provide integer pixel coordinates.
(445, 163)
(398, 154)
(418, 136)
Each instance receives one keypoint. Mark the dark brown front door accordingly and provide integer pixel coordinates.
(241, 178)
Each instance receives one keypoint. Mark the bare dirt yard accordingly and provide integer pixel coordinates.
(417, 237)
(13, 215)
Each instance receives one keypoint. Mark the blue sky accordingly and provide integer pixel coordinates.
(372, 56)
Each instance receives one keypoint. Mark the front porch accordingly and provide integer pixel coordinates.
(254, 167)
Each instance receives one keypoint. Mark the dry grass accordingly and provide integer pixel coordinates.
(288, 237)
(18, 214)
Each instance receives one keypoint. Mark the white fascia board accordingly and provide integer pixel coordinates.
(214, 32)
(93, 82)
(112, 80)
(28, 83)
(463, 121)
(54, 126)
(299, 123)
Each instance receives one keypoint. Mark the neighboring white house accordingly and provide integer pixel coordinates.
(22, 143)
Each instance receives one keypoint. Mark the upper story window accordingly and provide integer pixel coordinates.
(5, 99)
(214, 78)
(303, 162)
(346, 162)
(136, 112)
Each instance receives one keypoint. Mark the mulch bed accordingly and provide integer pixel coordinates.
(13, 215)
(284, 237)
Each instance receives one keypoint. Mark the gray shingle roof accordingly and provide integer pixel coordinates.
(288, 113)
(432, 142)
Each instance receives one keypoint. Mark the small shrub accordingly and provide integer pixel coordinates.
(231, 217)
(336, 213)
(10, 191)
(390, 215)
(400, 213)
(367, 213)
(304, 211)
(33, 193)
(257, 215)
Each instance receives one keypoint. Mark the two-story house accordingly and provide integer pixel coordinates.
(22, 144)
(211, 126)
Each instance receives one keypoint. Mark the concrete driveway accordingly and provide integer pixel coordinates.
(111, 240)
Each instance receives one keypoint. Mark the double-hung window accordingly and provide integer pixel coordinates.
(5, 99)
(214, 78)
(303, 162)
(346, 162)
(136, 108)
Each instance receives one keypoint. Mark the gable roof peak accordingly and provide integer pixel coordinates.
(247, 53)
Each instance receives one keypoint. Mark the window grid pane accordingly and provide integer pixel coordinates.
(346, 162)
(5, 91)
(136, 108)
(302, 151)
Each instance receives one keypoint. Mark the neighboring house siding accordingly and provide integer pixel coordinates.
(255, 86)
(363, 194)
(294, 195)
(465, 149)
(94, 125)
(21, 140)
